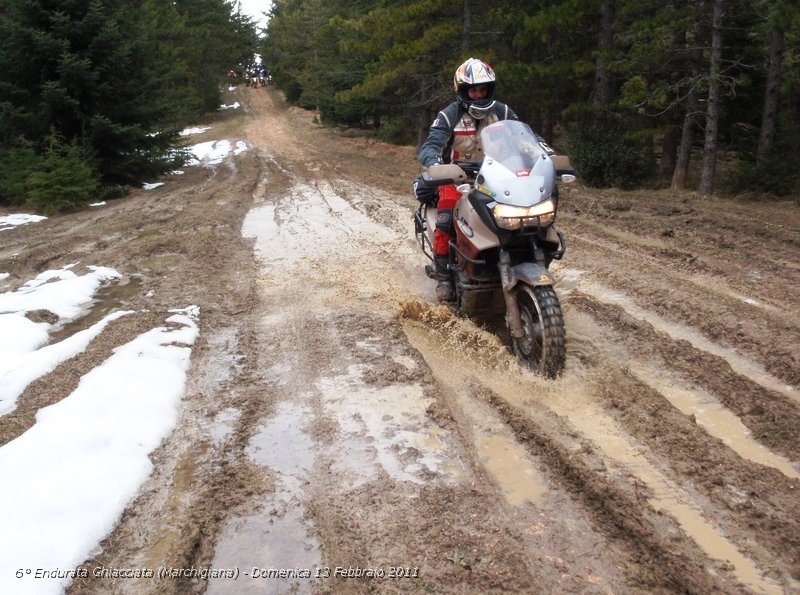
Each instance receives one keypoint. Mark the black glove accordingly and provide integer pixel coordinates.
(428, 195)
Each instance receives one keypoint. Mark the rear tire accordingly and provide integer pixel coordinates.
(543, 345)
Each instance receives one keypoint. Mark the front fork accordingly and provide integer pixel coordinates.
(510, 295)
(533, 274)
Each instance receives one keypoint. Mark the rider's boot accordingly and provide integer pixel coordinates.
(444, 285)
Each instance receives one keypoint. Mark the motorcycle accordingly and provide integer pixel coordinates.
(505, 239)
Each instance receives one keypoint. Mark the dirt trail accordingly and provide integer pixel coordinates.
(338, 424)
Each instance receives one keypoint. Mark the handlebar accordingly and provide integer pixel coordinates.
(459, 172)
(471, 168)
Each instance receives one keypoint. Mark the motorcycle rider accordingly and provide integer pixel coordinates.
(455, 135)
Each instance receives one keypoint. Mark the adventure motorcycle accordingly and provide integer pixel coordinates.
(505, 239)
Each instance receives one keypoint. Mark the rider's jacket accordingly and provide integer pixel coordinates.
(455, 135)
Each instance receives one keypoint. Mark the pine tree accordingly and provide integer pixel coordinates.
(211, 39)
(73, 67)
(115, 77)
(64, 178)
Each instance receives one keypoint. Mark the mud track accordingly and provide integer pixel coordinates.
(337, 418)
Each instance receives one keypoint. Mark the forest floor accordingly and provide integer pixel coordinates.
(341, 426)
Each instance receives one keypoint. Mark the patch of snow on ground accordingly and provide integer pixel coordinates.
(9, 221)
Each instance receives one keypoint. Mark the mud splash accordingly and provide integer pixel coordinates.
(505, 459)
(457, 334)
(567, 398)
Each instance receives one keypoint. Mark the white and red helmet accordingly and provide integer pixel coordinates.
(474, 73)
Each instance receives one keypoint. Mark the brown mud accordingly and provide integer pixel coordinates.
(342, 428)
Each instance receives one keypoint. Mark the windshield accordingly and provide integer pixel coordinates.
(512, 143)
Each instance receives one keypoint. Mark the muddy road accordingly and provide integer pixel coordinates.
(342, 433)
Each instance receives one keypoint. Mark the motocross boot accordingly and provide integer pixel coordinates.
(444, 285)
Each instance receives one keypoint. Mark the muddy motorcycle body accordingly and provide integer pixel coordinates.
(505, 240)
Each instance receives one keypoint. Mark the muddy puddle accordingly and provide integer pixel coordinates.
(740, 364)
(588, 417)
(714, 417)
(277, 535)
(332, 239)
(386, 429)
(500, 454)
(110, 297)
(691, 400)
(569, 399)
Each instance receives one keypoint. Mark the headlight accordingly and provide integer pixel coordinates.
(540, 215)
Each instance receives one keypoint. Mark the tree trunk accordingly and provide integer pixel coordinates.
(465, 34)
(712, 113)
(423, 125)
(602, 87)
(684, 151)
(538, 121)
(426, 111)
(669, 149)
(694, 40)
(772, 93)
(549, 129)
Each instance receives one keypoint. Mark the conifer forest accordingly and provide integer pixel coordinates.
(699, 95)
(635, 91)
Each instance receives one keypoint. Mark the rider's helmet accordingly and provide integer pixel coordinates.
(474, 73)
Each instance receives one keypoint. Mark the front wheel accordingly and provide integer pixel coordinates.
(543, 344)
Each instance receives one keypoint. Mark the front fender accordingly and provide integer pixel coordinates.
(530, 273)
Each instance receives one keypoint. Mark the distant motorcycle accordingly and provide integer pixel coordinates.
(505, 239)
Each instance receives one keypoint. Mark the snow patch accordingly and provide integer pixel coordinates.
(9, 221)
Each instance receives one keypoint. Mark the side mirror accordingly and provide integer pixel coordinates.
(564, 169)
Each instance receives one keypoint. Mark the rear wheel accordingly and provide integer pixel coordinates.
(542, 346)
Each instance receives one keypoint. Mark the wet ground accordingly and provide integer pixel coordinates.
(342, 433)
